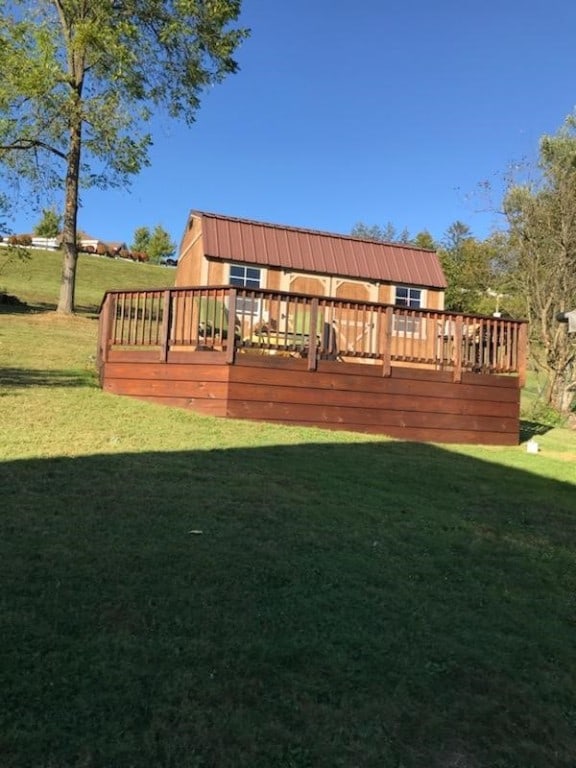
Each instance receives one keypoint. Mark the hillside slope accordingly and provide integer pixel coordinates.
(35, 278)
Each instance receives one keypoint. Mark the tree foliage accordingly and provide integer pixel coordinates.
(4, 207)
(161, 246)
(79, 82)
(541, 216)
(49, 224)
(473, 271)
(141, 241)
(386, 234)
(156, 244)
(424, 239)
(390, 234)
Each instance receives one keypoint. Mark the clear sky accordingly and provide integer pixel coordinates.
(368, 111)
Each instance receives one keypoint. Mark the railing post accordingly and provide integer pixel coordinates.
(107, 320)
(312, 344)
(387, 352)
(522, 353)
(231, 337)
(101, 353)
(458, 338)
(166, 323)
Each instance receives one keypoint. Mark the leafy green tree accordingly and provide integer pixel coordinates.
(456, 235)
(389, 234)
(80, 81)
(141, 242)
(424, 239)
(161, 246)
(386, 234)
(156, 244)
(474, 271)
(541, 217)
(49, 224)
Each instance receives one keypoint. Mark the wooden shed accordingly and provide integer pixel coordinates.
(221, 250)
(296, 326)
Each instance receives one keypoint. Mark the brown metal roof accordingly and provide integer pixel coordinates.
(306, 250)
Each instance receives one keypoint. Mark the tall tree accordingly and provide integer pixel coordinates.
(80, 80)
(542, 226)
(424, 239)
(141, 242)
(473, 284)
(49, 224)
(160, 246)
(456, 235)
(390, 234)
(386, 234)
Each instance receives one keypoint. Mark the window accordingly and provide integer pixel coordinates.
(246, 277)
(408, 297)
(411, 298)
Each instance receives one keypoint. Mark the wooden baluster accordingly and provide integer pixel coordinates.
(458, 339)
(387, 351)
(312, 341)
(166, 323)
(103, 337)
(231, 340)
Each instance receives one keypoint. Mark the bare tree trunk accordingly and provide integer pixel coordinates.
(561, 389)
(69, 227)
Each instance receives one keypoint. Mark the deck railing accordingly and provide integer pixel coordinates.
(231, 320)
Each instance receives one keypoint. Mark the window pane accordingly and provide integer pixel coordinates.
(408, 297)
(248, 277)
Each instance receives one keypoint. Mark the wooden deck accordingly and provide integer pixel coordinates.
(412, 374)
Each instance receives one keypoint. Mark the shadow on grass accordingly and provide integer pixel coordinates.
(376, 604)
(39, 307)
(20, 308)
(32, 377)
(530, 429)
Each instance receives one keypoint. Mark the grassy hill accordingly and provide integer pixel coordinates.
(35, 279)
(181, 591)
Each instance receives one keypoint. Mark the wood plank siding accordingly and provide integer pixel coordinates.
(451, 379)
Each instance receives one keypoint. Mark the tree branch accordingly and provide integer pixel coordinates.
(24, 144)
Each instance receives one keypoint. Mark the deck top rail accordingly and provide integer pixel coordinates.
(265, 322)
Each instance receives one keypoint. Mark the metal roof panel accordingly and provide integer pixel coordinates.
(305, 250)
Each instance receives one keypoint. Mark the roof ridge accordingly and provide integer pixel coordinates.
(308, 231)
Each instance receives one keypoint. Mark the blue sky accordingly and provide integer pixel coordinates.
(370, 111)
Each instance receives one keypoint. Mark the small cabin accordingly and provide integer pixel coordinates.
(296, 326)
(217, 250)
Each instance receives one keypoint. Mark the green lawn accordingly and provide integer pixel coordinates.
(185, 592)
(35, 279)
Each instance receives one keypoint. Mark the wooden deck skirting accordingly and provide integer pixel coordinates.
(368, 385)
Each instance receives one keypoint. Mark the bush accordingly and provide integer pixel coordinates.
(543, 413)
(20, 240)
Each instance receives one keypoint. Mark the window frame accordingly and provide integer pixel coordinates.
(409, 327)
(243, 279)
